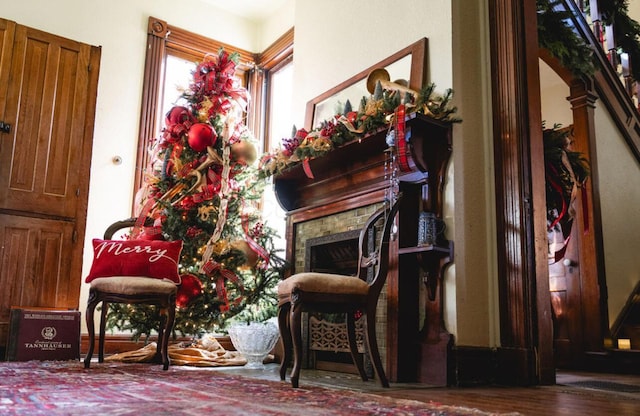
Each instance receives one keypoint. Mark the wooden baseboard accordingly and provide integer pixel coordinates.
(473, 366)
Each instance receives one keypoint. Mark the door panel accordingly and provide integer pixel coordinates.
(34, 267)
(7, 32)
(41, 157)
(48, 88)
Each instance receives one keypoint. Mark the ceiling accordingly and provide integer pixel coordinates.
(250, 9)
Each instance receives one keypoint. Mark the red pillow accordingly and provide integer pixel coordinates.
(150, 258)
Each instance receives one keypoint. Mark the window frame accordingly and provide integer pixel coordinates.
(163, 40)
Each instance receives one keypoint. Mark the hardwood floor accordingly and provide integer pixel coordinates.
(574, 394)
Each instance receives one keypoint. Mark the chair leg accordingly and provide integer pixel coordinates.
(91, 306)
(285, 335)
(158, 358)
(353, 345)
(372, 343)
(295, 324)
(171, 317)
(103, 325)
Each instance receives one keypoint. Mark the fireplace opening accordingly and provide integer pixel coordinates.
(327, 345)
(334, 253)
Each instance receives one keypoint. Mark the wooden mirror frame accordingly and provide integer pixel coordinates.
(417, 77)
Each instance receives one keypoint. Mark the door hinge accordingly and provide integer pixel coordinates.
(5, 127)
(74, 236)
(78, 192)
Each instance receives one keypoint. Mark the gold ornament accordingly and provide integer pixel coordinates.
(204, 212)
(244, 152)
(250, 255)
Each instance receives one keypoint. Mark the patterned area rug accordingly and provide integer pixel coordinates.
(66, 388)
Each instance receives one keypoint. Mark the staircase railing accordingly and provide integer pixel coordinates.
(612, 80)
(605, 35)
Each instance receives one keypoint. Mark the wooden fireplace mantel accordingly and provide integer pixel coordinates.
(354, 176)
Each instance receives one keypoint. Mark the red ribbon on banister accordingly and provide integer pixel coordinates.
(585, 209)
(400, 139)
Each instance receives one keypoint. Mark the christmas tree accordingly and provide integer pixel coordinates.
(202, 187)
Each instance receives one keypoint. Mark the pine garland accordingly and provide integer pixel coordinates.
(374, 113)
(558, 37)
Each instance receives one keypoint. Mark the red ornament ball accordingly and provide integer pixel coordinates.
(201, 135)
(190, 288)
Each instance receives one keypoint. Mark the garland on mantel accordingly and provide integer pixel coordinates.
(375, 112)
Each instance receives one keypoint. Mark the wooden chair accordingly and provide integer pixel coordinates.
(334, 293)
(128, 289)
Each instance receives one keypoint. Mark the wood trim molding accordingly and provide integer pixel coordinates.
(525, 316)
(278, 51)
(151, 96)
(592, 271)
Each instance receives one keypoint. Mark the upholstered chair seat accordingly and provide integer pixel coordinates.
(133, 285)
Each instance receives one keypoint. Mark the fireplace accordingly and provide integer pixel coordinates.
(336, 194)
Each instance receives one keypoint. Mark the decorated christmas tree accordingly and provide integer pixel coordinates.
(202, 187)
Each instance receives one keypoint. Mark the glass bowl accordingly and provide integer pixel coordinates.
(254, 341)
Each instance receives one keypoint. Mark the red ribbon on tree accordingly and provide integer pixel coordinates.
(257, 248)
(212, 267)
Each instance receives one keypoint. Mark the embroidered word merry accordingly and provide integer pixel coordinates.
(117, 249)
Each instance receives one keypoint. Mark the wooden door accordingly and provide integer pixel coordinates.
(48, 87)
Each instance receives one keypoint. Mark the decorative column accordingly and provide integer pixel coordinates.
(525, 355)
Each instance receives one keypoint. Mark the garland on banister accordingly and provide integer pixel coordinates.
(557, 36)
(373, 113)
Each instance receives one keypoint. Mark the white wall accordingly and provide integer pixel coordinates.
(618, 178)
(556, 109)
(120, 28)
(471, 286)
(334, 40)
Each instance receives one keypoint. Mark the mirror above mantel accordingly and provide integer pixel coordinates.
(408, 64)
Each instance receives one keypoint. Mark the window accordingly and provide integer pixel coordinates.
(171, 55)
(280, 93)
(277, 119)
(169, 52)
